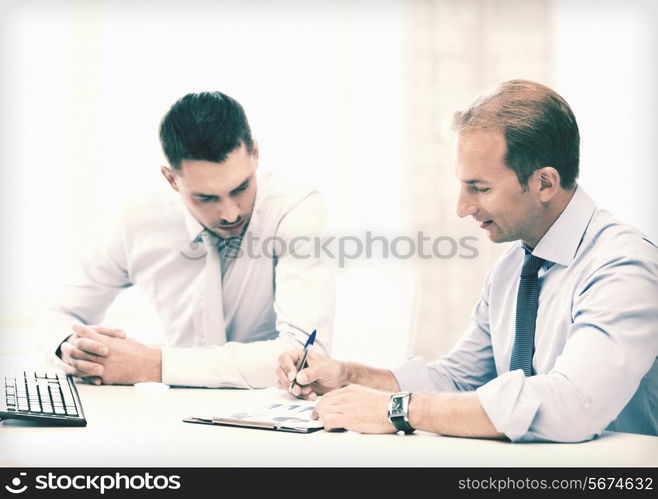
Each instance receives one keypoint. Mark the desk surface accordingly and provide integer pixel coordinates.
(141, 426)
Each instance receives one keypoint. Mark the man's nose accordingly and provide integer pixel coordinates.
(465, 205)
(230, 211)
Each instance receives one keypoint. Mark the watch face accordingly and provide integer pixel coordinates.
(396, 406)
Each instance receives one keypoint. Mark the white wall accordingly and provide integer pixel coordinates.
(606, 68)
(85, 83)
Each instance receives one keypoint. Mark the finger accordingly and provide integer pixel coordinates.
(288, 363)
(92, 347)
(333, 421)
(308, 375)
(66, 349)
(69, 369)
(282, 378)
(84, 331)
(87, 368)
(73, 371)
(70, 351)
(308, 396)
(92, 380)
(296, 390)
(110, 331)
(305, 389)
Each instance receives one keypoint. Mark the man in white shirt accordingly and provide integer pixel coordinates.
(231, 303)
(563, 343)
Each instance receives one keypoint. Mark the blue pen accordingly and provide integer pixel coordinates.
(302, 363)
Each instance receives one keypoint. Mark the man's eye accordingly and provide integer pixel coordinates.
(482, 189)
(206, 200)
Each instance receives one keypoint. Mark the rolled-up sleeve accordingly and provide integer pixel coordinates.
(612, 344)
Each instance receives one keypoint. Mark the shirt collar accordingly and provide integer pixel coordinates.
(563, 238)
(192, 225)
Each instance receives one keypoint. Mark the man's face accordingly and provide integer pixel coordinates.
(491, 192)
(219, 195)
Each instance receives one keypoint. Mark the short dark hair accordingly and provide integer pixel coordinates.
(204, 126)
(540, 128)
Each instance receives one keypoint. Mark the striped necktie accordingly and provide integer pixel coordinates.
(213, 329)
(527, 300)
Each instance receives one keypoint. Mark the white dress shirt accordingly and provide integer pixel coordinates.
(266, 302)
(596, 339)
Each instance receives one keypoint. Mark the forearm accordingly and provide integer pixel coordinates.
(380, 379)
(235, 365)
(456, 414)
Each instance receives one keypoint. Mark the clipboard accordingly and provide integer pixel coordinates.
(280, 415)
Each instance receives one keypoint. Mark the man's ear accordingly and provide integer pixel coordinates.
(255, 152)
(549, 183)
(170, 175)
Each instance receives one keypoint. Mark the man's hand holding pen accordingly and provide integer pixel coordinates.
(321, 375)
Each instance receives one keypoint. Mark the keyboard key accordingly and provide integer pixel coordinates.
(55, 393)
(68, 396)
(41, 394)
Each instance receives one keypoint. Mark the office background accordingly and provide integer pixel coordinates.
(354, 96)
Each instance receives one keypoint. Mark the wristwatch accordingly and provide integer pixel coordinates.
(398, 412)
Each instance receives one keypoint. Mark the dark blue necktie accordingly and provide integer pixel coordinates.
(527, 300)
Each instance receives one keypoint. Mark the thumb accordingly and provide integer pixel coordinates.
(307, 376)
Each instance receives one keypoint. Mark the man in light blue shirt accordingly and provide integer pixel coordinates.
(592, 363)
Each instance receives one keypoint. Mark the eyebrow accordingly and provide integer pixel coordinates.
(475, 181)
(241, 186)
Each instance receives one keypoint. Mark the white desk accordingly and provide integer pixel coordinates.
(138, 426)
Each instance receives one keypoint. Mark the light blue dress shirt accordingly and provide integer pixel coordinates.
(596, 339)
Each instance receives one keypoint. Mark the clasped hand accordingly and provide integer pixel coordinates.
(100, 354)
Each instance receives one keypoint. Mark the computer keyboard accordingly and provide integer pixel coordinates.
(41, 396)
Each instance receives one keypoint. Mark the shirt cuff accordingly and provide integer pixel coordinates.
(183, 366)
(510, 407)
(414, 376)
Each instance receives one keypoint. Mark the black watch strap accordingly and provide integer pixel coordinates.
(402, 425)
(398, 412)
